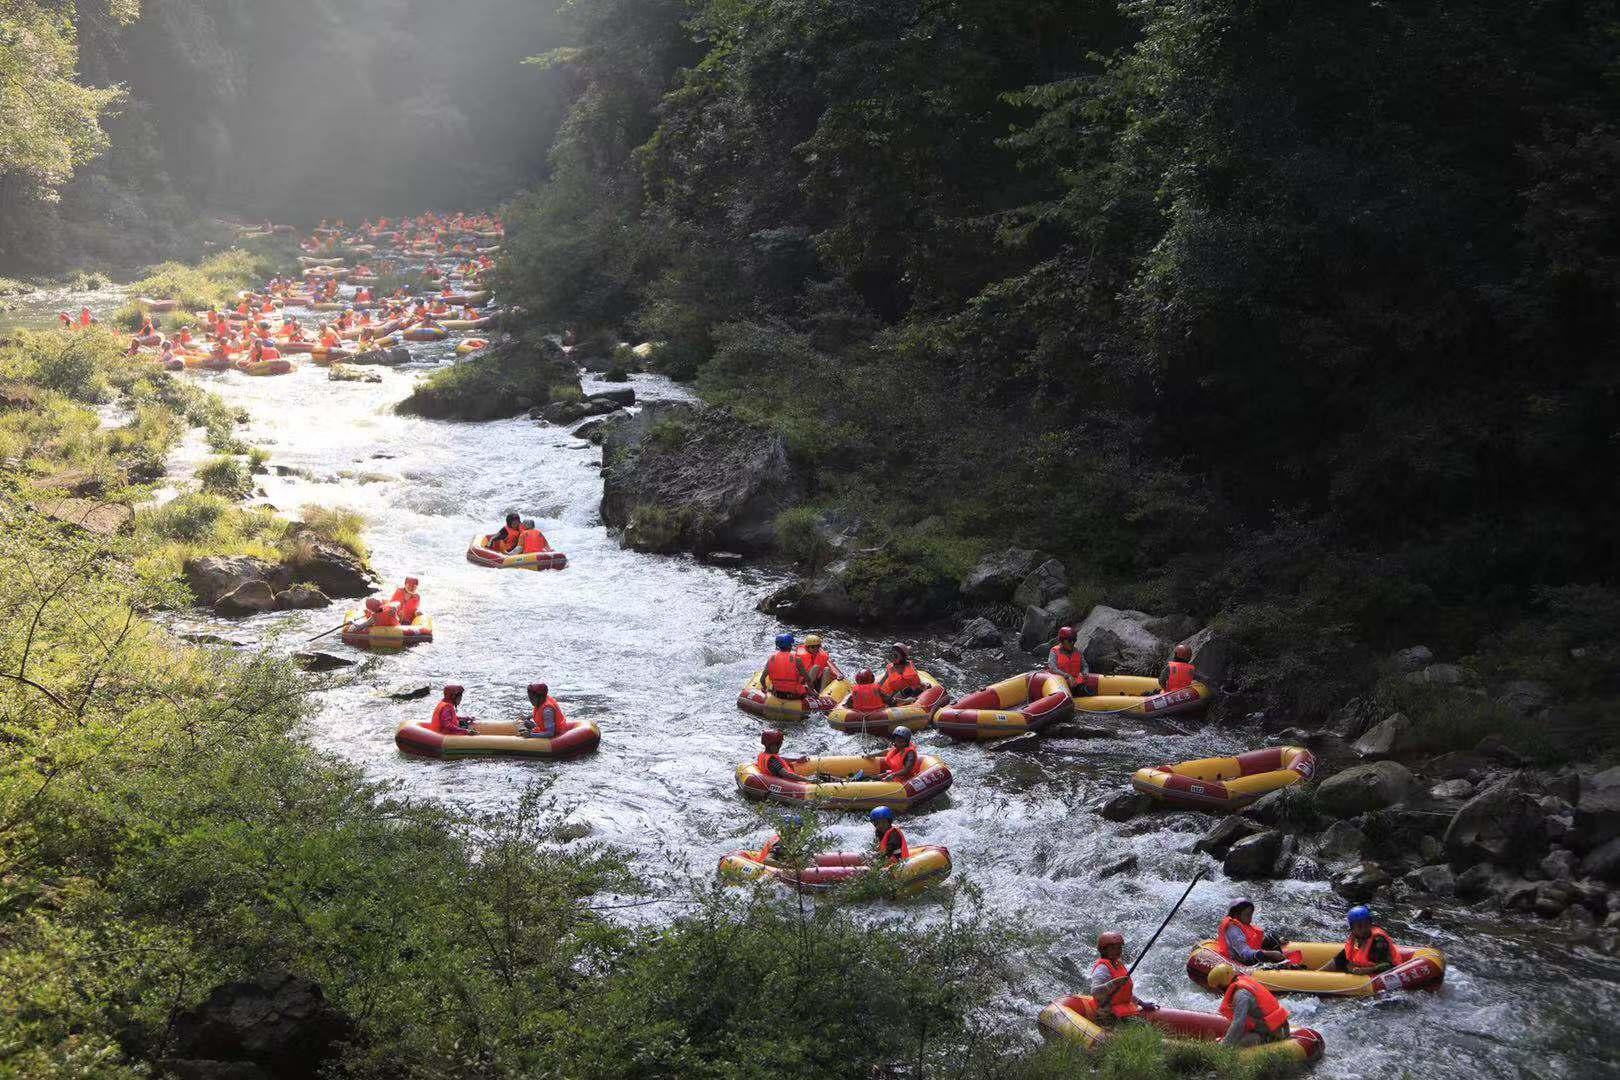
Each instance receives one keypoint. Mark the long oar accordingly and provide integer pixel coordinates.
(1167, 919)
(334, 630)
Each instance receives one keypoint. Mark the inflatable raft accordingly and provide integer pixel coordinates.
(1419, 969)
(827, 782)
(927, 864)
(1010, 707)
(1074, 1018)
(1138, 695)
(481, 553)
(275, 366)
(916, 714)
(420, 632)
(1226, 784)
(426, 333)
(496, 738)
(755, 700)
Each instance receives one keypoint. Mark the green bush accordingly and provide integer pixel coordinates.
(225, 476)
(565, 392)
(192, 518)
(801, 536)
(339, 524)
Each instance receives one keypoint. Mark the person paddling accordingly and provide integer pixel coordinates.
(900, 762)
(770, 760)
(446, 720)
(1111, 986)
(406, 601)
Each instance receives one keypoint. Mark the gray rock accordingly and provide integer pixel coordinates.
(979, 634)
(590, 431)
(275, 1020)
(302, 598)
(248, 598)
(386, 357)
(822, 598)
(1597, 812)
(350, 373)
(1044, 584)
(1364, 787)
(1552, 897)
(1039, 627)
(1524, 696)
(1119, 866)
(1360, 884)
(1448, 790)
(413, 692)
(1416, 658)
(1213, 653)
(1355, 717)
(212, 576)
(330, 567)
(321, 661)
(1114, 639)
(1459, 765)
(1254, 856)
(1559, 864)
(619, 396)
(1340, 841)
(1388, 738)
(1480, 881)
(1434, 880)
(997, 577)
(1125, 805)
(1603, 861)
(1501, 824)
(1220, 837)
(1438, 675)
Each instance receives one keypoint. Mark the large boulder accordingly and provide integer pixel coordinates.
(978, 634)
(679, 477)
(1229, 830)
(1603, 862)
(1125, 805)
(1597, 811)
(1254, 856)
(1042, 585)
(1040, 625)
(1360, 884)
(302, 598)
(1365, 787)
(331, 567)
(997, 576)
(212, 576)
(1416, 658)
(1502, 824)
(1387, 738)
(279, 1022)
(1115, 639)
(1213, 654)
(820, 599)
(248, 598)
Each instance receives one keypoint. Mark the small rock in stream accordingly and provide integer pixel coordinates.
(321, 661)
(1118, 867)
(213, 639)
(1125, 805)
(410, 693)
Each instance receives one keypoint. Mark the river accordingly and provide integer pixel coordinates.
(654, 649)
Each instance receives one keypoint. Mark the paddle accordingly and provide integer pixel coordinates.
(1167, 919)
(334, 630)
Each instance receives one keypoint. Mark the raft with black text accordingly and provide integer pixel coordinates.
(1226, 784)
(1013, 706)
(1075, 1018)
(830, 783)
(755, 700)
(419, 632)
(927, 864)
(1418, 969)
(1138, 695)
(915, 714)
(497, 738)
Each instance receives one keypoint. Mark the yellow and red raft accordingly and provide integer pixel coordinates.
(915, 714)
(927, 864)
(831, 783)
(1011, 707)
(496, 738)
(480, 553)
(1226, 784)
(1418, 969)
(1138, 695)
(1075, 1018)
(419, 632)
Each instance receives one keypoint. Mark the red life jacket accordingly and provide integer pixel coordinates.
(385, 616)
(866, 697)
(764, 853)
(782, 669)
(267, 352)
(1180, 676)
(408, 603)
(1123, 1003)
(902, 761)
(505, 540)
(534, 540)
(1272, 1015)
(1252, 934)
(445, 721)
(1071, 662)
(1359, 954)
(883, 844)
(550, 703)
(905, 678)
(763, 764)
(809, 659)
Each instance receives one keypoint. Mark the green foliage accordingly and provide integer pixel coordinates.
(801, 536)
(226, 476)
(494, 383)
(566, 392)
(339, 524)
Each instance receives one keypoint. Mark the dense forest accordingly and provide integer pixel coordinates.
(1300, 315)
(296, 110)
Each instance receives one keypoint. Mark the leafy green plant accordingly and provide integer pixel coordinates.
(225, 476)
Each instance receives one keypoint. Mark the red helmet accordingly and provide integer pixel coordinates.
(1066, 633)
(452, 692)
(1183, 651)
(864, 675)
(373, 604)
(539, 691)
(413, 582)
(771, 737)
(1111, 938)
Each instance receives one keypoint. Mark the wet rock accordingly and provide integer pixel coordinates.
(1115, 639)
(1254, 856)
(350, 373)
(618, 397)
(1558, 865)
(1342, 840)
(1478, 882)
(1552, 897)
(1364, 787)
(1434, 880)
(302, 597)
(822, 598)
(1448, 790)
(321, 661)
(1125, 805)
(1029, 741)
(1413, 659)
(1213, 653)
(212, 576)
(330, 567)
(279, 1022)
(1360, 884)
(384, 357)
(1119, 866)
(1041, 586)
(1220, 837)
(997, 577)
(590, 431)
(1524, 696)
(978, 634)
(213, 639)
(1519, 896)
(1603, 861)
(1437, 675)
(412, 692)
(1430, 849)
(91, 515)
(248, 598)
(1039, 627)
(1355, 717)
(1501, 824)
(1388, 738)
(1459, 765)
(1597, 811)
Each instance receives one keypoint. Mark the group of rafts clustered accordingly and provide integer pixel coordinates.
(799, 679)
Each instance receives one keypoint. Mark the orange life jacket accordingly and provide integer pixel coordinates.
(866, 697)
(763, 763)
(1071, 662)
(764, 853)
(1252, 934)
(1359, 954)
(883, 844)
(1272, 1015)
(809, 659)
(504, 540)
(550, 703)
(385, 617)
(895, 679)
(1123, 1003)
(444, 720)
(269, 352)
(408, 603)
(896, 761)
(534, 540)
(1180, 677)
(782, 670)
(85, 318)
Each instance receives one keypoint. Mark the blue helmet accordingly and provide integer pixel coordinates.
(1361, 913)
(882, 816)
(784, 641)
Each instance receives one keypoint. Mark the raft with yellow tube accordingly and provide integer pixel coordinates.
(829, 783)
(480, 553)
(1138, 695)
(927, 864)
(419, 632)
(497, 738)
(208, 361)
(273, 366)
(1418, 969)
(1074, 1018)
(916, 714)
(426, 333)
(466, 324)
(1226, 784)
(1011, 707)
(755, 700)
(472, 345)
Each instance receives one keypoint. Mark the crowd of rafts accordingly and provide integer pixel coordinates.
(1248, 966)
